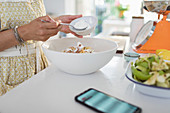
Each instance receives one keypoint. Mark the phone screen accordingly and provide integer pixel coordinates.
(104, 103)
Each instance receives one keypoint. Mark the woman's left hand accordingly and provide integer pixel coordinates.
(68, 19)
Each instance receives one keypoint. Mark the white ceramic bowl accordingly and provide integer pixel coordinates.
(79, 63)
(148, 89)
(92, 21)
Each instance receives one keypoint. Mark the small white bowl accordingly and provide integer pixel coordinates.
(79, 63)
(130, 56)
(148, 89)
(92, 21)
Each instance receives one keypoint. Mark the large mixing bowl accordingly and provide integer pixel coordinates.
(79, 63)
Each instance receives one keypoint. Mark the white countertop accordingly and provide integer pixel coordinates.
(53, 91)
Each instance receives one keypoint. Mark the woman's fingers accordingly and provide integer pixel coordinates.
(66, 29)
(52, 32)
(48, 27)
(41, 30)
(72, 17)
(47, 19)
(79, 36)
(68, 18)
(48, 23)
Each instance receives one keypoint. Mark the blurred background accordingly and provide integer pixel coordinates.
(114, 16)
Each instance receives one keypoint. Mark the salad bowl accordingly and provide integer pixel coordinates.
(146, 89)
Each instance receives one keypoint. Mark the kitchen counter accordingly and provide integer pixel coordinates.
(53, 91)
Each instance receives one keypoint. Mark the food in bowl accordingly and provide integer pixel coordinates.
(76, 63)
(156, 5)
(151, 70)
(78, 49)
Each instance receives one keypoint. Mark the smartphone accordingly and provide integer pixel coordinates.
(104, 103)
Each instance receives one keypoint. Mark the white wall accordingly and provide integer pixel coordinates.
(60, 7)
(134, 7)
(55, 7)
(70, 6)
(85, 7)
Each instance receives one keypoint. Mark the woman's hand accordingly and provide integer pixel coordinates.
(67, 19)
(38, 30)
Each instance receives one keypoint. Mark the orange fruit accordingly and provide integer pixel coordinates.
(165, 55)
(160, 50)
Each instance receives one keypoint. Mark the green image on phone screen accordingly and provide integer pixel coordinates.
(105, 103)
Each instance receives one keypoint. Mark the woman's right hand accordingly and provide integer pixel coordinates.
(38, 30)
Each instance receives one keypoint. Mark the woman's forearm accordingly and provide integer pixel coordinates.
(35, 30)
(7, 39)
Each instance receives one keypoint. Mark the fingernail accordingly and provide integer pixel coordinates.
(51, 19)
(58, 22)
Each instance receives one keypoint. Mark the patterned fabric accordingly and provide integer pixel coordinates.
(16, 1)
(19, 13)
(15, 69)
